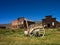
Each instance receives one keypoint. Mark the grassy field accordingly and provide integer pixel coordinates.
(16, 37)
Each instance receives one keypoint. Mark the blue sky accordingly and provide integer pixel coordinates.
(31, 9)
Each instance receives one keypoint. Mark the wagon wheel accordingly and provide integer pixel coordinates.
(36, 30)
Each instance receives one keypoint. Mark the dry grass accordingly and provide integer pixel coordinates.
(9, 37)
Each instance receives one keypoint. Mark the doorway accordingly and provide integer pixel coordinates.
(48, 25)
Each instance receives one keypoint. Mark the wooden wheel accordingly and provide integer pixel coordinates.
(35, 30)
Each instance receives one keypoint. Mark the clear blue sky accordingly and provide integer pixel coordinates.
(31, 9)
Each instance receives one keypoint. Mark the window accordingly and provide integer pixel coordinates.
(20, 23)
(53, 23)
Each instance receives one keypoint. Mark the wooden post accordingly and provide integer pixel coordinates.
(27, 31)
(26, 24)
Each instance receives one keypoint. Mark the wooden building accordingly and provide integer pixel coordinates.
(21, 23)
(50, 22)
(15, 24)
(5, 26)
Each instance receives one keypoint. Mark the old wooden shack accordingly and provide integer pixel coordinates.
(21, 23)
(50, 22)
